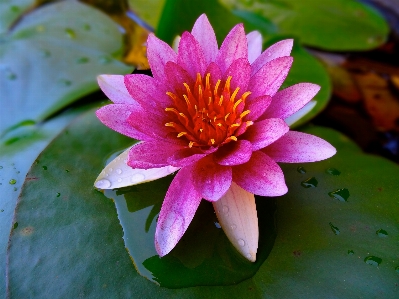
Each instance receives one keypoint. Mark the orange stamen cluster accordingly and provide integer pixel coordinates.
(207, 115)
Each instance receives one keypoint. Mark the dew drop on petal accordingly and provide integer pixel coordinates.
(233, 226)
(119, 171)
(225, 209)
(111, 169)
(103, 184)
(138, 177)
(249, 256)
(119, 180)
(241, 242)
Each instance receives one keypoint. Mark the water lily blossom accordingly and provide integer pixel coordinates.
(217, 117)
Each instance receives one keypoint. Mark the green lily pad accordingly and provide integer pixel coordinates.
(18, 150)
(51, 58)
(338, 25)
(11, 10)
(68, 233)
(305, 68)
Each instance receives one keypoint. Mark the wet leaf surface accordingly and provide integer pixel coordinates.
(68, 233)
(65, 55)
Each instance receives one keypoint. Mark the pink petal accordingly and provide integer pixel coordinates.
(114, 88)
(234, 153)
(257, 106)
(151, 124)
(147, 92)
(187, 156)
(261, 175)
(233, 47)
(215, 73)
(115, 116)
(265, 132)
(176, 77)
(178, 209)
(190, 56)
(158, 54)
(270, 77)
(118, 174)
(210, 179)
(240, 70)
(288, 101)
(151, 154)
(295, 147)
(279, 49)
(236, 212)
(254, 40)
(204, 34)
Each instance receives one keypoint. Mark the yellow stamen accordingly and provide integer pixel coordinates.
(187, 100)
(249, 123)
(233, 138)
(213, 141)
(172, 109)
(171, 124)
(234, 125)
(207, 85)
(246, 112)
(226, 116)
(236, 104)
(245, 95)
(221, 101)
(190, 145)
(181, 134)
(227, 84)
(215, 92)
(234, 94)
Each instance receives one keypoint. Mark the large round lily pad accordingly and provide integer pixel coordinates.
(68, 242)
(51, 57)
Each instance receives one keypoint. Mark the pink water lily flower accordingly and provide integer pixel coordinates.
(218, 118)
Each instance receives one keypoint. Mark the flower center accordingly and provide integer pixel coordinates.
(207, 115)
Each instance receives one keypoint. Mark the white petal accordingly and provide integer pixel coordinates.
(236, 211)
(118, 174)
(300, 113)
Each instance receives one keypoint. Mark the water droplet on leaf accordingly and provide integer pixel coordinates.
(12, 182)
(333, 171)
(14, 8)
(45, 167)
(217, 225)
(45, 53)
(334, 229)
(340, 194)
(82, 60)
(382, 233)
(309, 183)
(396, 268)
(103, 184)
(65, 82)
(104, 59)
(373, 260)
(70, 33)
(58, 194)
(300, 169)
(15, 225)
(351, 252)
